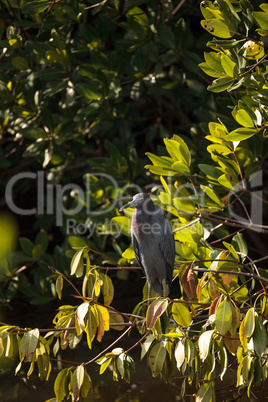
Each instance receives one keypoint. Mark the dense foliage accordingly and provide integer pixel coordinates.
(86, 89)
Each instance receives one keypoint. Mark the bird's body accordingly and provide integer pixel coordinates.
(153, 242)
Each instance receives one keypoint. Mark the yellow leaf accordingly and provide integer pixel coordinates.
(103, 321)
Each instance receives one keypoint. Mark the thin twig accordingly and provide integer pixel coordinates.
(219, 271)
(178, 7)
(96, 5)
(109, 347)
(187, 225)
(66, 279)
(139, 341)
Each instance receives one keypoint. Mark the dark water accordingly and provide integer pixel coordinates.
(143, 387)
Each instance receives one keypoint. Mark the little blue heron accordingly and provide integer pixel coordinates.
(153, 243)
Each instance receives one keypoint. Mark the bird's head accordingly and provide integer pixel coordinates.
(138, 201)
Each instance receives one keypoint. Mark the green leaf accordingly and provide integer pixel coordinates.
(223, 317)
(205, 393)
(44, 365)
(91, 326)
(129, 253)
(213, 60)
(241, 134)
(146, 345)
(210, 171)
(35, 7)
(107, 290)
(156, 358)
(77, 265)
(228, 180)
(182, 168)
(261, 18)
(42, 239)
(249, 322)
(181, 314)
(160, 161)
(120, 364)
(242, 117)
(218, 28)
(59, 286)
(77, 381)
(116, 319)
(105, 365)
(178, 150)
(231, 248)
(239, 244)
(89, 91)
(115, 155)
(77, 242)
(21, 63)
(29, 343)
(211, 194)
(167, 38)
(208, 70)
(229, 66)
(219, 149)
(26, 246)
(260, 338)
(217, 130)
(124, 224)
(86, 386)
(221, 84)
(37, 252)
(60, 385)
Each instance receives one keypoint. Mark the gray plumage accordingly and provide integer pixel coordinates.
(153, 242)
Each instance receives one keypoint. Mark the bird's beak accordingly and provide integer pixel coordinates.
(131, 204)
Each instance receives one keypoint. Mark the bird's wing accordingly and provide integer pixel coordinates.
(136, 249)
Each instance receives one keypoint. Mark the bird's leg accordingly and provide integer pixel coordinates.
(164, 285)
(165, 294)
(149, 294)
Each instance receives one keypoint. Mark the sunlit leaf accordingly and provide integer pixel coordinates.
(204, 343)
(179, 354)
(221, 84)
(29, 343)
(205, 393)
(181, 314)
(107, 289)
(59, 286)
(77, 381)
(228, 65)
(241, 134)
(60, 385)
(250, 322)
(223, 317)
(155, 310)
(128, 253)
(218, 28)
(77, 265)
